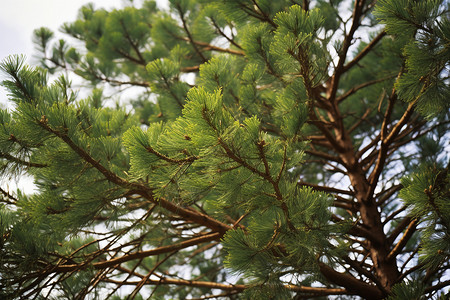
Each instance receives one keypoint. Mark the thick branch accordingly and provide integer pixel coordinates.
(352, 284)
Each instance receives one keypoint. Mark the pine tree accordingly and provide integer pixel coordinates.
(268, 150)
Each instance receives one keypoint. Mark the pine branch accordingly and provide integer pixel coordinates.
(189, 159)
(223, 34)
(133, 45)
(120, 82)
(405, 238)
(326, 188)
(266, 175)
(209, 47)
(437, 286)
(168, 87)
(21, 162)
(364, 52)
(233, 287)
(385, 142)
(361, 86)
(350, 283)
(13, 200)
(190, 69)
(356, 16)
(130, 58)
(264, 17)
(191, 215)
(191, 39)
(146, 277)
(83, 154)
(242, 162)
(325, 156)
(140, 254)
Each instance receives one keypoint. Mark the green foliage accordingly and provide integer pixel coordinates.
(242, 149)
(410, 290)
(427, 195)
(422, 29)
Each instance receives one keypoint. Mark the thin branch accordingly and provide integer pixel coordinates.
(361, 86)
(233, 287)
(191, 39)
(373, 142)
(139, 254)
(356, 15)
(189, 159)
(437, 286)
(83, 154)
(364, 51)
(9, 196)
(209, 47)
(146, 277)
(326, 188)
(405, 238)
(385, 195)
(385, 142)
(358, 268)
(133, 45)
(363, 117)
(325, 156)
(16, 160)
(223, 34)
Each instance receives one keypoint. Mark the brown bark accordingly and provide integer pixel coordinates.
(352, 284)
(235, 287)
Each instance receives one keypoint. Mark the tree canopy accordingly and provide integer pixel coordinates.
(235, 149)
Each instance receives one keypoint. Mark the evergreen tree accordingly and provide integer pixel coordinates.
(269, 150)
